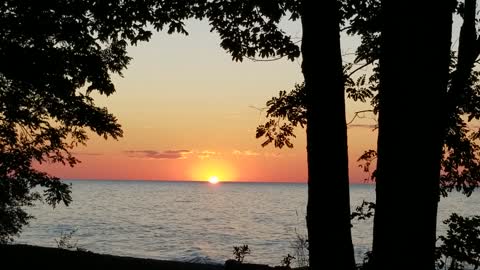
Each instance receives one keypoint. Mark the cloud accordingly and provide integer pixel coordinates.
(250, 153)
(245, 153)
(206, 154)
(86, 154)
(152, 154)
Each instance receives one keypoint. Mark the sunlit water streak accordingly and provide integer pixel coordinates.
(192, 221)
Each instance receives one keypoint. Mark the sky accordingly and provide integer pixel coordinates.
(189, 112)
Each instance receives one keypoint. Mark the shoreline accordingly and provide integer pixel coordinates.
(22, 256)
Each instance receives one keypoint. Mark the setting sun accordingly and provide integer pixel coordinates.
(213, 180)
(208, 169)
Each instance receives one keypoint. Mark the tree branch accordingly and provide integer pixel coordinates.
(357, 115)
(360, 67)
(264, 60)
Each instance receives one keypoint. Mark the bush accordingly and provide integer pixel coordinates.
(239, 252)
(66, 242)
(461, 246)
(287, 261)
(300, 250)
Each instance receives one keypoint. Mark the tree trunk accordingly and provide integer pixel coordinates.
(328, 209)
(468, 51)
(414, 61)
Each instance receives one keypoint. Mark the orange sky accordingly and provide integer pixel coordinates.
(187, 113)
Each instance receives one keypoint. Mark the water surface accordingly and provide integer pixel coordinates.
(193, 221)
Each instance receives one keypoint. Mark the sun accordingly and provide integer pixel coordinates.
(213, 180)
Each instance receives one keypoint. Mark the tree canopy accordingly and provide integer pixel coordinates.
(53, 55)
(461, 152)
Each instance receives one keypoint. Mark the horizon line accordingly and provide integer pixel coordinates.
(205, 181)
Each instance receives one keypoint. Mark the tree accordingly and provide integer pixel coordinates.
(459, 163)
(250, 28)
(459, 247)
(86, 41)
(459, 150)
(402, 215)
(326, 149)
(53, 55)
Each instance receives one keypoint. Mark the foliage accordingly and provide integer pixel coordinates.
(239, 252)
(242, 40)
(300, 249)
(363, 211)
(359, 89)
(288, 111)
(53, 55)
(366, 160)
(250, 28)
(366, 262)
(287, 261)
(65, 241)
(461, 246)
(290, 107)
(460, 166)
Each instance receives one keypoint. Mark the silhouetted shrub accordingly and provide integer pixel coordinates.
(300, 249)
(363, 211)
(461, 246)
(287, 261)
(239, 252)
(65, 241)
(365, 265)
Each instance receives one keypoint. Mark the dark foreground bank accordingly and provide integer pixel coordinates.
(35, 257)
(26, 256)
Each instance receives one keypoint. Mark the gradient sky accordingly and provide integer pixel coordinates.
(188, 113)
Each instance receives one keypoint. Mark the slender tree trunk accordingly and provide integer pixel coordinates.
(414, 63)
(328, 209)
(468, 51)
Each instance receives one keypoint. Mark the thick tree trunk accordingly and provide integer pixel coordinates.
(414, 76)
(328, 209)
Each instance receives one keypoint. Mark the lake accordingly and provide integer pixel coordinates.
(197, 221)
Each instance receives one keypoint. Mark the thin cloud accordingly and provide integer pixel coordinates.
(206, 154)
(86, 154)
(245, 153)
(152, 154)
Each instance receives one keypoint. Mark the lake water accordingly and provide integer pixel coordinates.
(193, 221)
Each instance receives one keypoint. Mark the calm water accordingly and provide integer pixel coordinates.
(191, 221)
